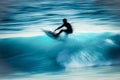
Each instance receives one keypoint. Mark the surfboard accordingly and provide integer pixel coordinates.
(50, 34)
(53, 36)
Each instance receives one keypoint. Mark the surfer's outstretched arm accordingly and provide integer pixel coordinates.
(59, 27)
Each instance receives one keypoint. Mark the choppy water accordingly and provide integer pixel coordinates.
(91, 52)
(25, 16)
(91, 73)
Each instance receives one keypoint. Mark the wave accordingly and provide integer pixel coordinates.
(43, 54)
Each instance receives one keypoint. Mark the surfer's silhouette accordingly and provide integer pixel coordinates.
(68, 29)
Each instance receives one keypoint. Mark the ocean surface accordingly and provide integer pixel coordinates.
(91, 52)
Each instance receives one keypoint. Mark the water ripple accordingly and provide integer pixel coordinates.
(32, 12)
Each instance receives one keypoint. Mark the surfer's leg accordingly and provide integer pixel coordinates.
(60, 32)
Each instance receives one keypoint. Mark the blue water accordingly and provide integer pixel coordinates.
(26, 50)
(25, 15)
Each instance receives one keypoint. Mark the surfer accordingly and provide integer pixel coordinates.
(68, 29)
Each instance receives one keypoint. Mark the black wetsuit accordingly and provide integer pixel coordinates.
(69, 29)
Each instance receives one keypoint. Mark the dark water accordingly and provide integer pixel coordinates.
(94, 43)
(23, 15)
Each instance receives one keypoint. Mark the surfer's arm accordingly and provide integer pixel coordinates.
(59, 27)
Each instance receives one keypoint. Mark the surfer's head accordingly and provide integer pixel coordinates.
(64, 20)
